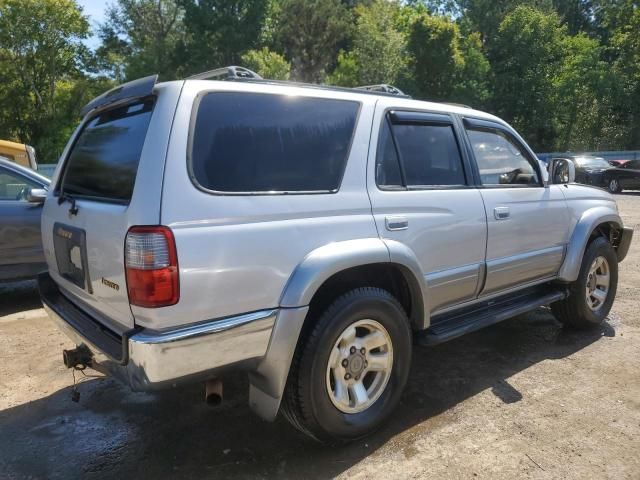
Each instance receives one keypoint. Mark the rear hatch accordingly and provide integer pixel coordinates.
(99, 194)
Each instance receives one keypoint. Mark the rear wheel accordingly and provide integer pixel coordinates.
(592, 294)
(614, 185)
(348, 373)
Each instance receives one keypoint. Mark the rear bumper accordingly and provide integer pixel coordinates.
(625, 243)
(149, 360)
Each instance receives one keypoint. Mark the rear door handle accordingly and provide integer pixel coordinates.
(501, 213)
(396, 223)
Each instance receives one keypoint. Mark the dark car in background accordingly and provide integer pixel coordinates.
(625, 177)
(598, 172)
(22, 194)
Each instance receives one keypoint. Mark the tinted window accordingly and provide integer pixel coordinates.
(104, 160)
(387, 163)
(14, 187)
(500, 160)
(429, 154)
(271, 143)
(634, 165)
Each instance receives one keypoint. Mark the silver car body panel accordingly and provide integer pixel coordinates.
(271, 253)
(529, 243)
(106, 224)
(588, 207)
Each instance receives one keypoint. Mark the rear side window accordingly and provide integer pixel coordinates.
(427, 153)
(103, 162)
(259, 143)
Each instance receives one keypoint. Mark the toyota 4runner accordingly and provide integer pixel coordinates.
(308, 236)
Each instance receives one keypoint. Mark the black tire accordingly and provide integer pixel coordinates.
(306, 403)
(613, 185)
(574, 310)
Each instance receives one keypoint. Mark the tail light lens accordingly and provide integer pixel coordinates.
(151, 265)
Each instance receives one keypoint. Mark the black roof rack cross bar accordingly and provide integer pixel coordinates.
(142, 87)
(385, 88)
(226, 73)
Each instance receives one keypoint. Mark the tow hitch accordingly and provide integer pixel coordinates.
(79, 357)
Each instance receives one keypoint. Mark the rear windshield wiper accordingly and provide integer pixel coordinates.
(73, 209)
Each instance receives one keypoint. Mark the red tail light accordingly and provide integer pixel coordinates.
(151, 265)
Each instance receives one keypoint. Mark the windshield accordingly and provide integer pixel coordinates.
(592, 162)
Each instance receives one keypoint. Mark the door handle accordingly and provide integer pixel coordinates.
(501, 213)
(396, 223)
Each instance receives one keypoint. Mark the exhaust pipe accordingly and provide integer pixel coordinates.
(78, 357)
(213, 392)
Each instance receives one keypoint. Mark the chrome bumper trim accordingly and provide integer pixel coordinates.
(194, 331)
(155, 360)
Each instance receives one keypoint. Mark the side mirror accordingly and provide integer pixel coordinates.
(561, 171)
(36, 195)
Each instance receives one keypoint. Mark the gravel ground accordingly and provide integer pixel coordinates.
(522, 399)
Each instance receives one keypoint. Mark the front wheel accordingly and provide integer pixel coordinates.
(591, 295)
(348, 373)
(614, 185)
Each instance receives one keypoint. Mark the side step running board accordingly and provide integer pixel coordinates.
(459, 323)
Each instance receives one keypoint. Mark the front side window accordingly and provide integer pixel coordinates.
(14, 186)
(427, 153)
(250, 143)
(501, 161)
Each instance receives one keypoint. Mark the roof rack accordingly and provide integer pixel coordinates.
(244, 74)
(383, 87)
(227, 73)
(461, 105)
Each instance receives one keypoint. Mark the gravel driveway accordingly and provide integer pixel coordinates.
(520, 399)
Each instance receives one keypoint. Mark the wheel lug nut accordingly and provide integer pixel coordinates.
(357, 377)
(347, 376)
(345, 363)
(353, 350)
(362, 350)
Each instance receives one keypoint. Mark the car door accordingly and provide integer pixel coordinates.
(630, 178)
(20, 241)
(527, 222)
(422, 195)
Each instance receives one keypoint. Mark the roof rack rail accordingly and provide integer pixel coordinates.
(227, 73)
(453, 104)
(383, 87)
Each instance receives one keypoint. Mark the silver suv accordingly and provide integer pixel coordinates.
(308, 236)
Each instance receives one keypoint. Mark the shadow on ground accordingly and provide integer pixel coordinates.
(113, 432)
(18, 296)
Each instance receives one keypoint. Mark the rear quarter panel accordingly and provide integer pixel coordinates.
(236, 253)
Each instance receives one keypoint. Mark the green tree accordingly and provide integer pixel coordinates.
(526, 56)
(267, 64)
(625, 44)
(378, 53)
(218, 32)
(142, 37)
(473, 84)
(310, 32)
(41, 60)
(436, 56)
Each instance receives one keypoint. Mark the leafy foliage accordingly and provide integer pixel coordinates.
(267, 64)
(565, 73)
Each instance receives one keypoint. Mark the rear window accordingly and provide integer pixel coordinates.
(259, 143)
(103, 162)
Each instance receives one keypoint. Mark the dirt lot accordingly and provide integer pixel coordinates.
(521, 399)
